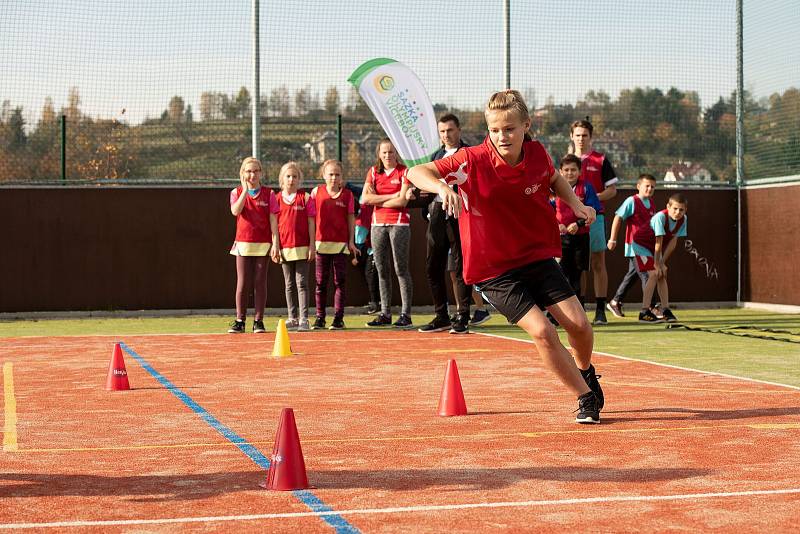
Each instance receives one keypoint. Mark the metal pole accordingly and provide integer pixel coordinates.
(739, 141)
(63, 149)
(507, 31)
(339, 137)
(256, 99)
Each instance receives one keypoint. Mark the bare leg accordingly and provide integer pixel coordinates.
(554, 355)
(598, 267)
(477, 299)
(649, 287)
(570, 315)
(663, 292)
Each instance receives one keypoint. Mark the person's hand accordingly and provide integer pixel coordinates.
(585, 212)
(353, 250)
(612, 244)
(562, 229)
(245, 185)
(451, 201)
(572, 228)
(661, 270)
(275, 254)
(410, 193)
(312, 254)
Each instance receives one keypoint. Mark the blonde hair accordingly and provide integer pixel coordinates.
(509, 100)
(251, 159)
(379, 163)
(329, 162)
(289, 165)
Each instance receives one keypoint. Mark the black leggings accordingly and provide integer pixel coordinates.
(251, 271)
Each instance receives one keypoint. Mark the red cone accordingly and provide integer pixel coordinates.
(287, 469)
(452, 400)
(117, 374)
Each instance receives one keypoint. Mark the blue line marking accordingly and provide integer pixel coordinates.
(308, 498)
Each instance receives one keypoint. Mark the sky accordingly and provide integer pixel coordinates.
(136, 54)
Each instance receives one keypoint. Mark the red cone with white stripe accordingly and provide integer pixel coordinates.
(117, 379)
(287, 469)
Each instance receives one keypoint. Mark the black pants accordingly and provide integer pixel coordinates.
(366, 263)
(575, 259)
(628, 281)
(443, 237)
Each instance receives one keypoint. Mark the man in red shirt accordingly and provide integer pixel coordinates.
(509, 239)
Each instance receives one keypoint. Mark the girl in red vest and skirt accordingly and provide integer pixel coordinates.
(250, 204)
(294, 212)
(335, 208)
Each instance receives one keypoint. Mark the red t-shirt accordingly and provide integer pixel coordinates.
(507, 220)
(293, 219)
(252, 224)
(332, 212)
(387, 184)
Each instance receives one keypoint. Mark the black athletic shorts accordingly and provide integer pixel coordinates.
(541, 283)
(575, 250)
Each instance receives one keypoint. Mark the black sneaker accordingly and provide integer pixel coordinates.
(600, 316)
(258, 327)
(438, 324)
(319, 324)
(237, 327)
(590, 378)
(647, 316)
(460, 325)
(404, 321)
(480, 317)
(337, 324)
(380, 321)
(669, 316)
(588, 409)
(615, 308)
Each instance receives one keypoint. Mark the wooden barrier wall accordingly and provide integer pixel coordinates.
(167, 248)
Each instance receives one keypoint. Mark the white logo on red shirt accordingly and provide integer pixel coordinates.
(591, 168)
(532, 189)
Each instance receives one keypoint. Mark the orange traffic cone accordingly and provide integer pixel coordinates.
(287, 469)
(452, 400)
(117, 374)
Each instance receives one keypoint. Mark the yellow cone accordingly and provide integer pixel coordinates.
(282, 348)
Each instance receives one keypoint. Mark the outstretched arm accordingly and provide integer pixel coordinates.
(427, 178)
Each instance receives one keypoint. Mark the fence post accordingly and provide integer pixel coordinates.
(739, 143)
(63, 149)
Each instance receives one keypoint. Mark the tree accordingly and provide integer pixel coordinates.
(301, 102)
(16, 130)
(188, 116)
(279, 102)
(73, 111)
(207, 105)
(353, 157)
(243, 102)
(332, 100)
(175, 109)
(48, 112)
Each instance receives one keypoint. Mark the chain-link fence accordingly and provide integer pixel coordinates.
(137, 92)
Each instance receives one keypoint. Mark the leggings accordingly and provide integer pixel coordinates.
(366, 263)
(251, 271)
(295, 275)
(338, 263)
(393, 241)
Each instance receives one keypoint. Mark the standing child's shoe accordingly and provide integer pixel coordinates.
(380, 321)
(303, 325)
(479, 317)
(404, 321)
(237, 327)
(669, 316)
(647, 316)
(615, 308)
(588, 409)
(291, 324)
(337, 324)
(600, 316)
(319, 324)
(258, 327)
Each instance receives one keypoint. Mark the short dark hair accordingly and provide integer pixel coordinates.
(449, 117)
(646, 176)
(570, 158)
(582, 123)
(678, 198)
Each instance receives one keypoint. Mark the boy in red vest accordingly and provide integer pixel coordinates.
(335, 209)
(598, 171)
(509, 239)
(667, 225)
(575, 231)
(636, 211)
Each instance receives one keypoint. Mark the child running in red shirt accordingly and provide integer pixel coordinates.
(510, 238)
(250, 205)
(295, 213)
(335, 208)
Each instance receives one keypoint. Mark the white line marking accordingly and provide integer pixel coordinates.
(657, 363)
(405, 509)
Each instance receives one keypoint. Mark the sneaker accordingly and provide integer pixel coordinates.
(480, 317)
(337, 324)
(319, 324)
(647, 316)
(404, 321)
(380, 321)
(615, 308)
(438, 324)
(668, 316)
(258, 327)
(237, 327)
(600, 316)
(588, 409)
(460, 325)
(291, 324)
(303, 325)
(373, 308)
(591, 377)
(657, 311)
